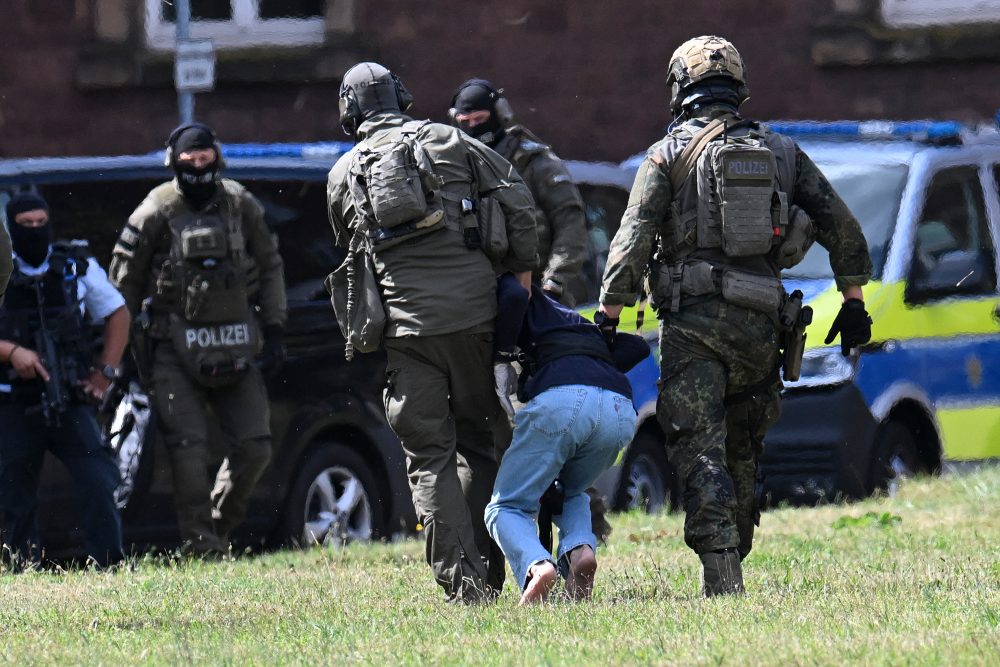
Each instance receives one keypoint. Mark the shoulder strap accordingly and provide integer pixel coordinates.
(688, 158)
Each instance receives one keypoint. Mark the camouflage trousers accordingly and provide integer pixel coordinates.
(719, 393)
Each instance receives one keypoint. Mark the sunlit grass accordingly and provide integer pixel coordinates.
(913, 579)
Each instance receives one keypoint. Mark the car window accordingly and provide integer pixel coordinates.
(296, 212)
(952, 247)
(873, 193)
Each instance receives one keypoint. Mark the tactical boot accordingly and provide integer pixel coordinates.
(723, 573)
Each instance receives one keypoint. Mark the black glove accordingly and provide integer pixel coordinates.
(607, 325)
(853, 324)
(273, 354)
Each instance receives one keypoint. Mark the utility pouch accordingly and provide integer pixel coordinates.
(394, 188)
(356, 300)
(200, 243)
(215, 355)
(799, 238)
(492, 228)
(749, 290)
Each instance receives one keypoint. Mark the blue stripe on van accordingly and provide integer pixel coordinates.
(961, 369)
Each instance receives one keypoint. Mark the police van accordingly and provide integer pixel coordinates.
(925, 392)
(337, 473)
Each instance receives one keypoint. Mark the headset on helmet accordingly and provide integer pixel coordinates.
(353, 110)
(169, 158)
(501, 107)
(703, 58)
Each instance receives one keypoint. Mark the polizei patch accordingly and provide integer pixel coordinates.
(741, 167)
(223, 335)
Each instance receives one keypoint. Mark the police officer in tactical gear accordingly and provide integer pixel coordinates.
(480, 109)
(198, 259)
(719, 206)
(46, 393)
(439, 291)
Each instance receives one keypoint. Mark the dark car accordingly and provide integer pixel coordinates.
(337, 472)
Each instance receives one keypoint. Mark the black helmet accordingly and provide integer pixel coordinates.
(369, 89)
(481, 95)
(706, 67)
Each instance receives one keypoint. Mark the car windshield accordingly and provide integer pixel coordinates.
(873, 193)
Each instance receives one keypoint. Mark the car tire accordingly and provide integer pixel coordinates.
(895, 457)
(334, 500)
(647, 480)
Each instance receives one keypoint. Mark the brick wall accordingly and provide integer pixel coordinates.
(586, 75)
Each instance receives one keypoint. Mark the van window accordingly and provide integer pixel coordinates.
(953, 248)
(296, 212)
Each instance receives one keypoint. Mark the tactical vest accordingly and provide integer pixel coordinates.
(58, 290)
(205, 290)
(729, 213)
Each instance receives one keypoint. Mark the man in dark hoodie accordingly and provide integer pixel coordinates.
(579, 415)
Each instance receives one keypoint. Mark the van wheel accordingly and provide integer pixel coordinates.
(646, 481)
(895, 457)
(334, 500)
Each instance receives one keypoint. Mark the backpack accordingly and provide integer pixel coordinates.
(394, 187)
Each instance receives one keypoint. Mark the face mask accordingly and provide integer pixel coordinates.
(197, 184)
(490, 132)
(31, 243)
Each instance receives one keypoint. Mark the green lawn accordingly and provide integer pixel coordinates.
(914, 579)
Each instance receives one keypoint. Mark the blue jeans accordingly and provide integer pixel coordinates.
(570, 432)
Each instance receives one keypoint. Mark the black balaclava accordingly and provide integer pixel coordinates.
(30, 243)
(479, 95)
(197, 184)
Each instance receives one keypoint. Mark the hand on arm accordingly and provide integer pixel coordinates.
(116, 329)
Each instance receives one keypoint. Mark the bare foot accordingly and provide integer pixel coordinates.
(541, 578)
(582, 569)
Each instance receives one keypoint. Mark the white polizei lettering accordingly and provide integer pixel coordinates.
(224, 335)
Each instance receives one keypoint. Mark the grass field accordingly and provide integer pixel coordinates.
(914, 579)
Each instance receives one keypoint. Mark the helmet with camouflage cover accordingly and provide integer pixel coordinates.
(705, 67)
(369, 89)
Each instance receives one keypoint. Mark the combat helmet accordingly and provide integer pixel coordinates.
(699, 63)
(369, 89)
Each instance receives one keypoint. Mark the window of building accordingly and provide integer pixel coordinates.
(239, 23)
(953, 248)
(929, 13)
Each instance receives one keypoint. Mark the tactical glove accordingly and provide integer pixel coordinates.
(608, 326)
(853, 324)
(274, 353)
(506, 384)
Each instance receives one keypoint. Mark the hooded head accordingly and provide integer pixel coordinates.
(193, 152)
(29, 226)
(481, 111)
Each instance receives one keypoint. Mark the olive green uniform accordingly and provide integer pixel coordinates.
(719, 388)
(137, 265)
(440, 298)
(562, 226)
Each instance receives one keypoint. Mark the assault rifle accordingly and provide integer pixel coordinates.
(62, 368)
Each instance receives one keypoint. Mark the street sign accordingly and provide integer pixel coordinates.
(194, 66)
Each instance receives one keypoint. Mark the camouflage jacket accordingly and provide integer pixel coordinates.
(649, 206)
(433, 284)
(144, 245)
(562, 227)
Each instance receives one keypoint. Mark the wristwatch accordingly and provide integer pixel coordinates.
(111, 372)
(603, 321)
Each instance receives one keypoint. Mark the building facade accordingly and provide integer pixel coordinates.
(96, 76)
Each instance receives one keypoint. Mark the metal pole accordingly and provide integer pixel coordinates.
(185, 100)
